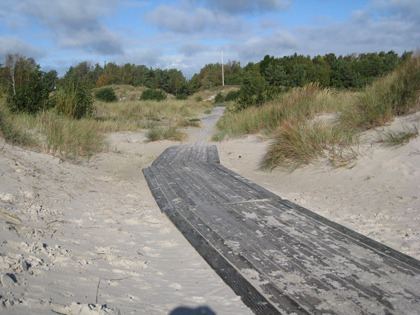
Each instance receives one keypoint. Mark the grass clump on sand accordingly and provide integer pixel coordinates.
(62, 135)
(297, 105)
(300, 143)
(12, 132)
(293, 121)
(400, 137)
(165, 133)
(392, 95)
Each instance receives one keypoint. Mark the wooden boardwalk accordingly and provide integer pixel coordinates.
(279, 257)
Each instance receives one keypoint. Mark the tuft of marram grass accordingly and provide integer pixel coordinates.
(298, 104)
(398, 138)
(183, 123)
(70, 138)
(12, 132)
(165, 133)
(392, 95)
(300, 143)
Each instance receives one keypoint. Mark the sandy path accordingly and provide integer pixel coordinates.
(92, 234)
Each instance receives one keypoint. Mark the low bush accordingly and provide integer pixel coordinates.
(219, 98)
(74, 101)
(152, 94)
(181, 97)
(232, 96)
(32, 96)
(106, 94)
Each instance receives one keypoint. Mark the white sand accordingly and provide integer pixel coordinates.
(92, 233)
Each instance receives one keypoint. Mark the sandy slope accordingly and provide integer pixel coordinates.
(92, 233)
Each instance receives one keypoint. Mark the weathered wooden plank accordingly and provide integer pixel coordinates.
(161, 157)
(214, 183)
(303, 263)
(236, 243)
(266, 194)
(381, 249)
(283, 301)
(310, 261)
(186, 223)
(195, 187)
(156, 190)
(236, 185)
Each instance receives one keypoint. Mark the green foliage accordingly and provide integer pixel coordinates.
(252, 89)
(219, 98)
(31, 96)
(153, 95)
(181, 97)
(198, 99)
(106, 94)
(74, 100)
(232, 96)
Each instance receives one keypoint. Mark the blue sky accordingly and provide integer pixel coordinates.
(187, 34)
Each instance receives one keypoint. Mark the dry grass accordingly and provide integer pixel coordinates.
(72, 139)
(298, 139)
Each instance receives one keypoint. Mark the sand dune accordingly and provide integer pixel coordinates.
(88, 238)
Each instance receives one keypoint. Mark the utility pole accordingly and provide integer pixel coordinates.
(223, 74)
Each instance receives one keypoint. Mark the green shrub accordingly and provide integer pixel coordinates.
(106, 94)
(181, 97)
(152, 94)
(252, 92)
(74, 101)
(32, 96)
(198, 99)
(219, 98)
(232, 96)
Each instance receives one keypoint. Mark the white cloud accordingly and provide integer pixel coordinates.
(167, 18)
(76, 24)
(13, 45)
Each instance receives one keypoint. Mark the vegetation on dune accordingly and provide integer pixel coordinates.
(298, 137)
(282, 99)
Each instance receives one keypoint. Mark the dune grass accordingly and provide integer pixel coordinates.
(165, 133)
(72, 139)
(298, 137)
(399, 137)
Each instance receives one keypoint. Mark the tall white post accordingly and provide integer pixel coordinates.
(223, 74)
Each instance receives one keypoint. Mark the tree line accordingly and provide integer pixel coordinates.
(353, 71)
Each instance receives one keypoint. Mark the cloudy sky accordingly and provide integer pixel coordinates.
(187, 34)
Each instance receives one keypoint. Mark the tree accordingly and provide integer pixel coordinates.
(275, 75)
(32, 96)
(102, 81)
(11, 61)
(252, 89)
